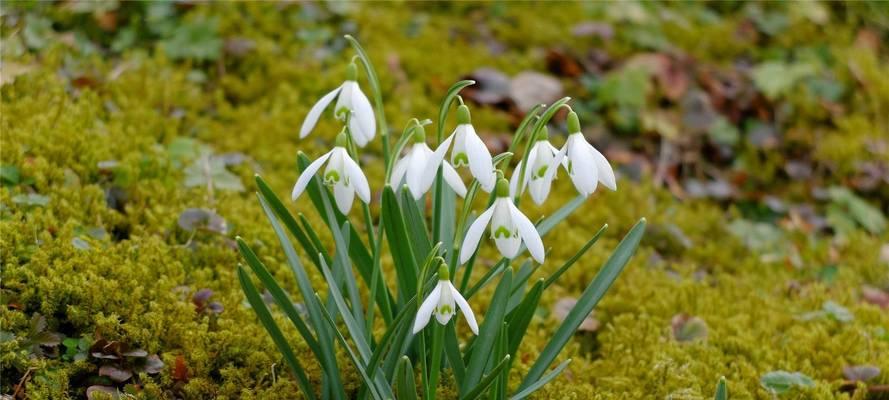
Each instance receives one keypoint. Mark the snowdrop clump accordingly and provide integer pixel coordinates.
(429, 244)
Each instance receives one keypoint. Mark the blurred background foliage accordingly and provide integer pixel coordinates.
(755, 137)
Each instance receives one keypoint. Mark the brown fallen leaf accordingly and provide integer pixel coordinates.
(875, 296)
(530, 88)
(565, 305)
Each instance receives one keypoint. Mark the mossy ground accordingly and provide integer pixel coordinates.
(74, 111)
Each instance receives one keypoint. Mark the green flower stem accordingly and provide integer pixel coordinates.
(377, 94)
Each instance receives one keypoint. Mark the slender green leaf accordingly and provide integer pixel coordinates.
(328, 360)
(356, 329)
(550, 222)
(289, 222)
(271, 327)
(400, 245)
(487, 278)
(590, 297)
(543, 381)
(452, 351)
(405, 386)
(552, 278)
(520, 318)
(478, 390)
(415, 223)
(487, 333)
(342, 263)
(376, 391)
(388, 340)
(359, 254)
(721, 390)
(281, 297)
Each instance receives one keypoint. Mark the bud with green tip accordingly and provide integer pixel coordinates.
(342, 175)
(509, 228)
(443, 302)
(351, 101)
(470, 151)
(538, 176)
(585, 165)
(419, 166)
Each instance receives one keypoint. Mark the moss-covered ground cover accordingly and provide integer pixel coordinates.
(754, 138)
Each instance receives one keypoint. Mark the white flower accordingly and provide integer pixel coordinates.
(349, 98)
(342, 174)
(585, 165)
(443, 302)
(419, 166)
(509, 228)
(538, 175)
(469, 150)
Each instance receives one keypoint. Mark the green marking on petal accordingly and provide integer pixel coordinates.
(540, 172)
(570, 167)
(461, 159)
(331, 177)
(501, 230)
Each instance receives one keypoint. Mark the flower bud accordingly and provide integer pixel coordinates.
(463, 115)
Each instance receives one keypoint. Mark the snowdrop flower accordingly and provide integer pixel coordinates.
(349, 100)
(509, 228)
(469, 150)
(442, 302)
(342, 174)
(419, 166)
(585, 165)
(538, 175)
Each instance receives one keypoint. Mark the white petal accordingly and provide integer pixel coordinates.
(307, 175)
(398, 172)
(503, 229)
(426, 309)
(474, 234)
(583, 172)
(453, 179)
(358, 180)
(416, 164)
(539, 186)
(480, 162)
(528, 232)
(464, 308)
(363, 115)
(433, 160)
(606, 174)
(529, 171)
(558, 158)
(459, 151)
(357, 133)
(345, 99)
(315, 112)
(514, 180)
(344, 196)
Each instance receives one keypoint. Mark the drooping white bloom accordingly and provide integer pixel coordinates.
(509, 229)
(342, 174)
(469, 150)
(585, 165)
(349, 99)
(538, 176)
(419, 166)
(443, 302)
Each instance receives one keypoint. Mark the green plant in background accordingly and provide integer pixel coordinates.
(424, 252)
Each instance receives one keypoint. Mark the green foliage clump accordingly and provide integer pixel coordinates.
(90, 239)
